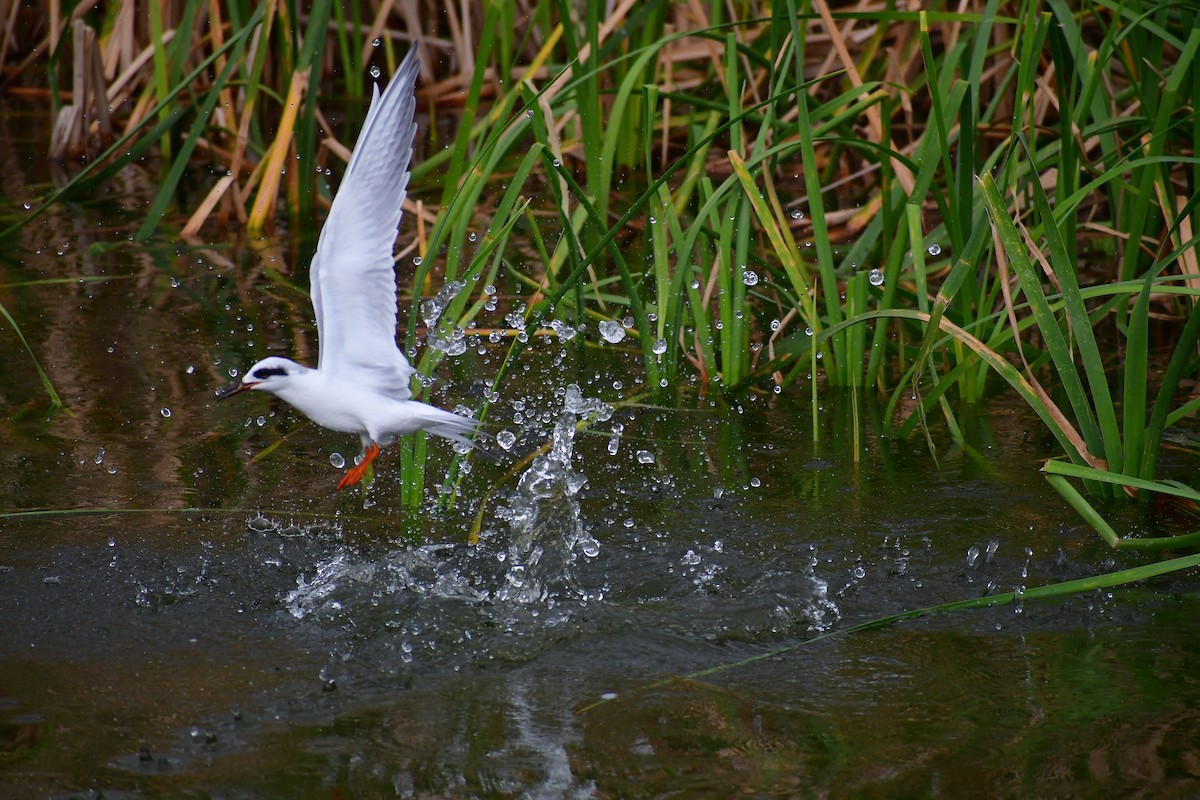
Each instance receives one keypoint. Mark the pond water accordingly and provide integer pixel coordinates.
(652, 610)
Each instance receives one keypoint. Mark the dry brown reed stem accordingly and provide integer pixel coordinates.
(121, 47)
(394, 34)
(874, 117)
(330, 142)
(8, 13)
(460, 35)
(412, 22)
(686, 51)
(56, 24)
(264, 203)
(1172, 207)
(117, 89)
(373, 33)
(616, 19)
(74, 128)
(202, 212)
(217, 28)
(901, 68)
(237, 197)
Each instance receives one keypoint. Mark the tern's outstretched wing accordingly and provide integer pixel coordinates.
(352, 275)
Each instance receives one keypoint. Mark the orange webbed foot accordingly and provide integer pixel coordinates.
(355, 473)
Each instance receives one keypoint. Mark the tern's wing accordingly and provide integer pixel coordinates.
(352, 275)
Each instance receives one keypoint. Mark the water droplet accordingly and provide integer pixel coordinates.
(750, 277)
(557, 163)
(775, 324)
(860, 573)
(615, 442)
(471, 236)
(691, 558)
(875, 276)
(166, 412)
(506, 439)
(972, 556)
(659, 347)
(375, 71)
(653, 221)
(564, 331)
(934, 249)
(797, 214)
(755, 482)
(529, 112)
(99, 459)
(612, 331)
(417, 261)
(337, 460)
(645, 457)
(375, 42)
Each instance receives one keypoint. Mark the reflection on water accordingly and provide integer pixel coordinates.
(280, 640)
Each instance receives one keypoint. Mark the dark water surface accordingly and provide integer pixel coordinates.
(285, 640)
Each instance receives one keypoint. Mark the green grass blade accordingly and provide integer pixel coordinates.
(1046, 320)
(55, 401)
(1090, 353)
(155, 213)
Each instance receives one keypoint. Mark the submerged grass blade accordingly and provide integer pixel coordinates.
(1187, 497)
(55, 401)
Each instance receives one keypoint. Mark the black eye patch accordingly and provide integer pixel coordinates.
(267, 372)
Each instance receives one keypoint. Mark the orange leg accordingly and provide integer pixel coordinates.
(355, 473)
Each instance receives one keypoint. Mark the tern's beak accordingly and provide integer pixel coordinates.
(230, 391)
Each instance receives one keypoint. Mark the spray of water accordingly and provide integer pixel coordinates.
(546, 532)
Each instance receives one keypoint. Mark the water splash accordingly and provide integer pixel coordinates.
(431, 311)
(543, 514)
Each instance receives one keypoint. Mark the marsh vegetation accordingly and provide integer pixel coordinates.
(906, 215)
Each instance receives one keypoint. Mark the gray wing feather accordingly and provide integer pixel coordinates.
(353, 280)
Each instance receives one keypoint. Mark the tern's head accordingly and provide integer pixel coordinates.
(272, 374)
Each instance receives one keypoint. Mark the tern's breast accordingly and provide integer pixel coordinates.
(338, 405)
